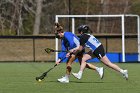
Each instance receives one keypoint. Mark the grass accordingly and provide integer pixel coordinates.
(20, 78)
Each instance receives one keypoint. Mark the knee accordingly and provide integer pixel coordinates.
(84, 59)
(87, 66)
(69, 67)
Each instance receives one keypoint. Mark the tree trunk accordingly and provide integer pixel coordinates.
(20, 18)
(37, 17)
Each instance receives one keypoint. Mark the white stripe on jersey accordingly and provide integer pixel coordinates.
(92, 43)
(76, 41)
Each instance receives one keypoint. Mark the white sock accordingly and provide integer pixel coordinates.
(97, 68)
(80, 72)
(121, 71)
(67, 76)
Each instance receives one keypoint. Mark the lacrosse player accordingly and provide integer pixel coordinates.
(69, 42)
(96, 50)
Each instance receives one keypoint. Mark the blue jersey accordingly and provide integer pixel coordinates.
(69, 41)
(87, 40)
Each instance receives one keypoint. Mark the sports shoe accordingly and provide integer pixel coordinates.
(101, 72)
(125, 74)
(76, 75)
(63, 80)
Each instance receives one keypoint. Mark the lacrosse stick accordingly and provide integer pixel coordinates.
(49, 50)
(40, 78)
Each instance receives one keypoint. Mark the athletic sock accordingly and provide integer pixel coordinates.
(80, 72)
(97, 68)
(121, 70)
(67, 76)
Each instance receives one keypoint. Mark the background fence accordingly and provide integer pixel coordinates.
(26, 48)
(31, 48)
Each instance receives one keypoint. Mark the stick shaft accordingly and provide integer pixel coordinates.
(45, 73)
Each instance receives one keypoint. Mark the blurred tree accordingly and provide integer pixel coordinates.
(135, 7)
(37, 17)
(34, 17)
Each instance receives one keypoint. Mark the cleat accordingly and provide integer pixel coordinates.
(101, 72)
(63, 80)
(76, 75)
(125, 74)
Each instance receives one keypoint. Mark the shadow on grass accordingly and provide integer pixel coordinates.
(79, 81)
(86, 82)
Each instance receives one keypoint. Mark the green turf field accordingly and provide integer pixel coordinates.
(20, 78)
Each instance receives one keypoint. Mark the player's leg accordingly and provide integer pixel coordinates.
(69, 63)
(107, 62)
(82, 66)
(83, 59)
(100, 54)
(100, 70)
(65, 79)
(88, 65)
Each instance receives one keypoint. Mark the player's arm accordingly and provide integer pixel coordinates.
(83, 40)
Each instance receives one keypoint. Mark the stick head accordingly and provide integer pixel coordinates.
(39, 79)
(48, 50)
